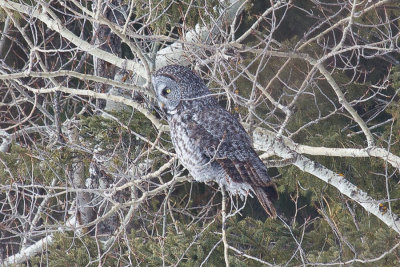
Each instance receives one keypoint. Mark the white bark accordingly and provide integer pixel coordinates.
(193, 42)
(377, 152)
(27, 253)
(67, 34)
(173, 53)
(38, 247)
(266, 142)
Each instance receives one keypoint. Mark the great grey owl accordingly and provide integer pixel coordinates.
(208, 140)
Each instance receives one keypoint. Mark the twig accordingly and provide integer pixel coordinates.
(226, 246)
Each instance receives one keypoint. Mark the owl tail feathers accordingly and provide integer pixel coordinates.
(265, 197)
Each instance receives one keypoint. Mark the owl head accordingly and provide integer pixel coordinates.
(174, 84)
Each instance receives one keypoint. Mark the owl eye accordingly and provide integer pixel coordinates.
(166, 91)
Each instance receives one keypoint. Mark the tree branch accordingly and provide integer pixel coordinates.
(339, 182)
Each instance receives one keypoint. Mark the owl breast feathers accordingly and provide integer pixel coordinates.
(208, 140)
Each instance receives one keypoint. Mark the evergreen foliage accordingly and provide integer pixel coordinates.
(317, 223)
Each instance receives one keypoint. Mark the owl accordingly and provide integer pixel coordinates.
(209, 142)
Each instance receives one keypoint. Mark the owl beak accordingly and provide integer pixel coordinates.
(162, 105)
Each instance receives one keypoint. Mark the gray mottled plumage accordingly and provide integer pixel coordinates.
(208, 140)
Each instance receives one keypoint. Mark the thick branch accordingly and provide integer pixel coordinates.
(331, 151)
(67, 34)
(344, 186)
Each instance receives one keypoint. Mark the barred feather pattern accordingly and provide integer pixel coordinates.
(209, 141)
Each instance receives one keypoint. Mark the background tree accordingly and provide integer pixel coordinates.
(88, 175)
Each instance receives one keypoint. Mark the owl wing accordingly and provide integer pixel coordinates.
(224, 140)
